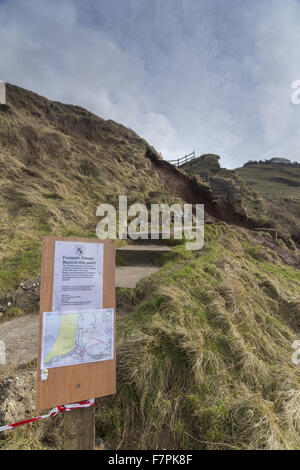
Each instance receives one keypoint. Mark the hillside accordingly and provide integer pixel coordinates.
(280, 186)
(273, 181)
(57, 164)
(268, 193)
(204, 359)
(204, 344)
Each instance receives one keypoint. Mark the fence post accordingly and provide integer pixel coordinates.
(79, 429)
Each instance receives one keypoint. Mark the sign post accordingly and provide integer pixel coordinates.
(79, 429)
(77, 352)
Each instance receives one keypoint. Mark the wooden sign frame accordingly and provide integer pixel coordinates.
(74, 383)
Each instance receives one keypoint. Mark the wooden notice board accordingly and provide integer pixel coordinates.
(81, 381)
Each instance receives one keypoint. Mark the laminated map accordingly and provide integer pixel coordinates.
(77, 337)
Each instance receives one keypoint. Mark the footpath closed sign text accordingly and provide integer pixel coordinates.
(78, 276)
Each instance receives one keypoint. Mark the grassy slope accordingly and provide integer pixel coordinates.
(279, 185)
(273, 181)
(270, 193)
(208, 166)
(204, 361)
(57, 164)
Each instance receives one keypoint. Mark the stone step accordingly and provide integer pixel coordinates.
(129, 276)
(134, 255)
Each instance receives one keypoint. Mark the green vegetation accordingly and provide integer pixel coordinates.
(273, 181)
(43, 435)
(204, 345)
(57, 164)
(279, 185)
(204, 360)
(267, 194)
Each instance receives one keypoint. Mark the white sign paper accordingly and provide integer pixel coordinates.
(78, 276)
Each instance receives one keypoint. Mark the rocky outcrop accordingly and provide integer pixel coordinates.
(227, 195)
(205, 166)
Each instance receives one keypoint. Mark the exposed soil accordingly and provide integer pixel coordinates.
(21, 339)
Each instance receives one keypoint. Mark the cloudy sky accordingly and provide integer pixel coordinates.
(205, 75)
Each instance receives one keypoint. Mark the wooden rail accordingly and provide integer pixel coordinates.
(182, 160)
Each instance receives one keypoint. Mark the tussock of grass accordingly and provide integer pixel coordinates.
(22, 439)
(42, 435)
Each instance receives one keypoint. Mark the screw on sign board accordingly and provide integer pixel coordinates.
(77, 353)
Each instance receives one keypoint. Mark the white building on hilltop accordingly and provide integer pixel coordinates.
(280, 160)
(2, 93)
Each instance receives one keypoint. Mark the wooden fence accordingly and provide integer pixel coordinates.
(182, 160)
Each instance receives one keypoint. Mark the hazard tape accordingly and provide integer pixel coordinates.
(55, 411)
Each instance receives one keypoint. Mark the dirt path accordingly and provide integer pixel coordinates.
(20, 337)
(129, 276)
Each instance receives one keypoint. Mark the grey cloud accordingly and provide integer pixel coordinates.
(212, 76)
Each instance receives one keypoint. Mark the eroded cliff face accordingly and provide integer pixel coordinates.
(239, 200)
(227, 192)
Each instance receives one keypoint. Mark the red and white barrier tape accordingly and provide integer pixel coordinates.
(55, 411)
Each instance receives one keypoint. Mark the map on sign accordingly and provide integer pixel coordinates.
(77, 338)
